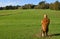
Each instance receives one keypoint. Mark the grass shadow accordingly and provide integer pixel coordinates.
(51, 35)
(57, 34)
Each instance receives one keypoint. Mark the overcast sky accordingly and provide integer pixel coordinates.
(22, 2)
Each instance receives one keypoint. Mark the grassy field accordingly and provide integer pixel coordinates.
(25, 24)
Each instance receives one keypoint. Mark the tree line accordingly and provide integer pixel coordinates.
(41, 5)
(10, 7)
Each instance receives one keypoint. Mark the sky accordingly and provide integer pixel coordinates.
(22, 2)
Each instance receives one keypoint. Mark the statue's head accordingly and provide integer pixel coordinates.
(45, 15)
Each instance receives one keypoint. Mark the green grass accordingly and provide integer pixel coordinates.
(25, 24)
